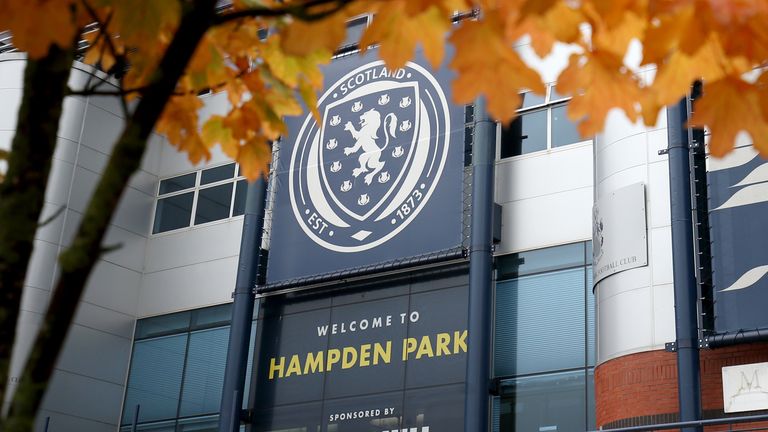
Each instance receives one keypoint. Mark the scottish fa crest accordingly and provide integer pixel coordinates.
(359, 178)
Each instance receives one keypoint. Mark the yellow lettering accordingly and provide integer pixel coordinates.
(380, 353)
(409, 346)
(350, 357)
(294, 366)
(365, 355)
(443, 339)
(425, 348)
(314, 363)
(459, 342)
(333, 357)
(276, 367)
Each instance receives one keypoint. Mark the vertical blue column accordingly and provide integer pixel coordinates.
(686, 295)
(242, 308)
(476, 408)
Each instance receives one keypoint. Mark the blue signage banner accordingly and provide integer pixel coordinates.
(380, 179)
(738, 210)
(385, 357)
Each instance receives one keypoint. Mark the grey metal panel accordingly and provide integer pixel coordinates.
(101, 129)
(114, 287)
(95, 354)
(71, 122)
(41, 265)
(9, 108)
(63, 422)
(84, 397)
(106, 320)
(134, 211)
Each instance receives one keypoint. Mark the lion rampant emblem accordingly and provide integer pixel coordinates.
(365, 139)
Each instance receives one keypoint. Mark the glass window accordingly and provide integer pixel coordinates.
(213, 203)
(176, 184)
(220, 173)
(545, 403)
(173, 212)
(204, 373)
(529, 99)
(540, 323)
(526, 134)
(162, 325)
(554, 95)
(240, 193)
(199, 424)
(563, 129)
(355, 30)
(540, 260)
(590, 320)
(214, 316)
(155, 379)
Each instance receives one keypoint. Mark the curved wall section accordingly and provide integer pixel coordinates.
(635, 308)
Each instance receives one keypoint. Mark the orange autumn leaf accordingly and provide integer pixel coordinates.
(729, 106)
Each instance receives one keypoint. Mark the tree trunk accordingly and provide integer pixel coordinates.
(23, 191)
(79, 259)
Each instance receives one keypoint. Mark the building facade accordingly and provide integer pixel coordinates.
(578, 340)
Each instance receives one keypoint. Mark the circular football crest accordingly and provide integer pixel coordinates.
(359, 178)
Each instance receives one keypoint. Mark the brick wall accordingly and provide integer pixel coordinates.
(641, 388)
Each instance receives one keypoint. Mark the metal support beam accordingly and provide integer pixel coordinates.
(242, 308)
(683, 259)
(476, 405)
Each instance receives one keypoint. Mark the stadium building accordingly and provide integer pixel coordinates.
(364, 314)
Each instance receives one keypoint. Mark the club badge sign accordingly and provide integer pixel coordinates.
(382, 161)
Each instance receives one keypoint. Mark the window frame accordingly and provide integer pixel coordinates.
(237, 176)
(547, 107)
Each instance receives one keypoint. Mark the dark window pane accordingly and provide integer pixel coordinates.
(530, 99)
(355, 30)
(240, 194)
(154, 381)
(204, 374)
(173, 212)
(526, 134)
(553, 402)
(590, 252)
(563, 129)
(162, 325)
(164, 426)
(591, 409)
(590, 320)
(177, 183)
(214, 316)
(213, 203)
(540, 323)
(212, 175)
(199, 424)
(540, 260)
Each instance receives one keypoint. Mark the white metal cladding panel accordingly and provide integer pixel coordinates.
(635, 309)
(182, 288)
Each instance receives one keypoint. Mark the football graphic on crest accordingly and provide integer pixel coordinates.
(362, 175)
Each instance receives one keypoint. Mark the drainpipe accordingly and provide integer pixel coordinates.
(476, 404)
(242, 308)
(686, 297)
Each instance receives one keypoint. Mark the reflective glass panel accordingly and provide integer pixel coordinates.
(530, 99)
(162, 325)
(177, 183)
(213, 203)
(540, 260)
(540, 323)
(526, 134)
(220, 173)
(155, 379)
(546, 403)
(204, 373)
(563, 129)
(240, 194)
(173, 212)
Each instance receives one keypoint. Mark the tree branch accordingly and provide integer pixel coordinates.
(300, 11)
(80, 258)
(23, 190)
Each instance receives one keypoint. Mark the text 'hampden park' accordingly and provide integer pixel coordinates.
(370, 354)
